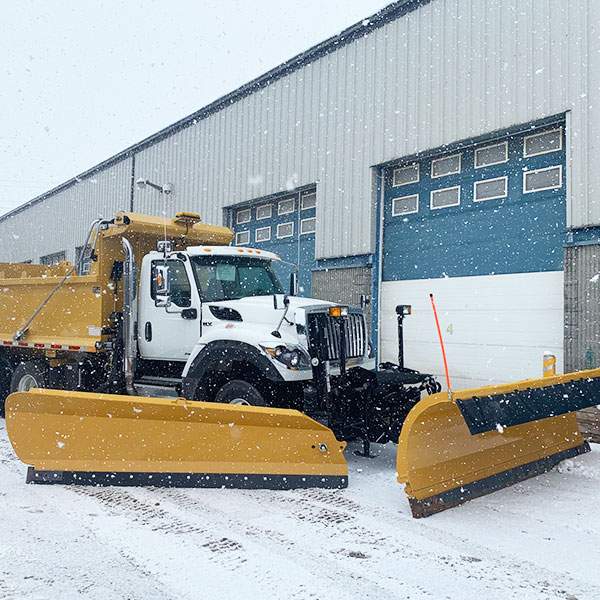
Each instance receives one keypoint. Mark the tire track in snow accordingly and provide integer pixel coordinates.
(514, 573)
(387, 545)
(252, 547)
(535, 577)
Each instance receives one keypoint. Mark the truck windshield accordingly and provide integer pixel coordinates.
(233, 277)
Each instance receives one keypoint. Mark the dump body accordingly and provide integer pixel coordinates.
(77, 317)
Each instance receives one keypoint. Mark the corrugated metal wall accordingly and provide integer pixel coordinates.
(582, 320)
(450, 70)
(61, 221)
(343, 285)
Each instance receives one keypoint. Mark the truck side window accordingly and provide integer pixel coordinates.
(181, 291)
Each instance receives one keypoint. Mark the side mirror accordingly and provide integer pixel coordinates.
(162, 286)
(293, 283)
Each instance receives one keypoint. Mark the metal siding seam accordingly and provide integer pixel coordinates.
(592, 67)
(438, 68)
(344, 167)
(337, 131)
(242, 180)
(226, 174)
(287, 138)
(324, 206)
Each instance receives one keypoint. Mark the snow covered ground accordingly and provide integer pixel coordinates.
(539, 539)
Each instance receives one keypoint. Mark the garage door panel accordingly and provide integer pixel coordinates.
(474, 365)
(496, 328)
(501, 328)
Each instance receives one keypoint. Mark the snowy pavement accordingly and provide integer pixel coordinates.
(539, 539)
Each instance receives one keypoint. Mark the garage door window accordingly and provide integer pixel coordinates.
(449, 165)
(549, 178)
(285, 207)
(445, 197)
(543, 143)
(308, 226)
(262, 234)
(53, 259)
(285, 230)
(490, 189)
(263, 212)
(495, 154)
(405, 205)
(243, 216)
(406, 175)
(308, 201)
(242, 237)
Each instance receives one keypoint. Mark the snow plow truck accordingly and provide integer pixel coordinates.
(176, 359)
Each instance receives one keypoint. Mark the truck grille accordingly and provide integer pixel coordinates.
(324, 335)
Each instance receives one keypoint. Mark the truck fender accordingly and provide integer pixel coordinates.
(219, 356)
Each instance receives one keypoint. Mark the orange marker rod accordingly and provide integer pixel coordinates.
(439, 331)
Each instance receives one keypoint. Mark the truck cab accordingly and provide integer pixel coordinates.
(220, 316)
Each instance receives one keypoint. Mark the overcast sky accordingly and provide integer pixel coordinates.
(83, 80)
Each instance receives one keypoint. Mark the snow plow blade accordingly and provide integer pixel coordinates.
(484, 439)
(100, 439)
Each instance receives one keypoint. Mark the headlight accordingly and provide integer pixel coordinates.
(291, 358)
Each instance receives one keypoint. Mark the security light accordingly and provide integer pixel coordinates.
(167, 188)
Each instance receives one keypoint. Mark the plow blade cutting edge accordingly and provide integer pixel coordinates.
(485, 439)
(99, 439)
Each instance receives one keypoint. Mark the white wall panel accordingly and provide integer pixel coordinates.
(496, 328)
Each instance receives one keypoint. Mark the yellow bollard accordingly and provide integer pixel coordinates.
(549, 364)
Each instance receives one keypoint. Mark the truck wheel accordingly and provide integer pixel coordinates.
(240, 392)
(5, 377)
(29, 375)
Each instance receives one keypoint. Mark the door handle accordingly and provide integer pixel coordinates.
(148, 331)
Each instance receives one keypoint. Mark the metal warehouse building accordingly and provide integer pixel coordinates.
(444, 146)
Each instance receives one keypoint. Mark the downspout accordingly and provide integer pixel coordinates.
(129, 317)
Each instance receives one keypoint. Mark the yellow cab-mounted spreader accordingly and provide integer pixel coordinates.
(189, 365)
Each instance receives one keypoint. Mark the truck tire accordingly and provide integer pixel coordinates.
(238, 391)
(31, 374)
(5, 379)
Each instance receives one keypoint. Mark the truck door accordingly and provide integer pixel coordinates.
(168, 333)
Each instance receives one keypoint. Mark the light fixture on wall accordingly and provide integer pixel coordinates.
(167, 188)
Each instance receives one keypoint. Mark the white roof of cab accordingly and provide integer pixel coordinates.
(231, 251)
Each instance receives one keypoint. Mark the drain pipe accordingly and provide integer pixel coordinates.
(129, 317)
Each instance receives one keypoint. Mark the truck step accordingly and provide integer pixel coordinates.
(158, 386)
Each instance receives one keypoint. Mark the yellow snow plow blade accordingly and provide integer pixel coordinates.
(100, 439)
(484, 439)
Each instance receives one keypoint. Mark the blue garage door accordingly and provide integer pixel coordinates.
(498, 207)
(284, 225)
(482, 226)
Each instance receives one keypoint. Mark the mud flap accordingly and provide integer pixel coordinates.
(100, 439)
(485, 439)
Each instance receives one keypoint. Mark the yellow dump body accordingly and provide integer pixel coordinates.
(75, 316)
